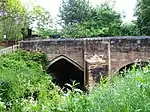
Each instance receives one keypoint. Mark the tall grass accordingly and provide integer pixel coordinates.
(25, 87)
(130, 93)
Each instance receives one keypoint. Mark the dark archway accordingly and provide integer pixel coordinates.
(128, 67)
(65, 70)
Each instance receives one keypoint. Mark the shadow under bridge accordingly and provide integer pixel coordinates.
(65, 70)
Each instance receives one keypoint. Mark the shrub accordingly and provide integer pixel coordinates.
(25, 87)
(22, 76)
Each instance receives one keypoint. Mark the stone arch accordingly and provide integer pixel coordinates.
(66, 70)
(66, 58)
(128, 65)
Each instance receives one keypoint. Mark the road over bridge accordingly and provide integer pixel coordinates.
(86, 60)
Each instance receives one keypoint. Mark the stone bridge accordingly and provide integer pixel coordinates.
(87, 60)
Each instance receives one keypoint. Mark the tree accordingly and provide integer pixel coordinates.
(12, 19)
(143, 16)
(129, 29)
(102, 21)
(41, 19)
(74, 11)
(106, 19)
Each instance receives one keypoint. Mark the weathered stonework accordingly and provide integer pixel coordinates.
(97, 68)
(98, 56)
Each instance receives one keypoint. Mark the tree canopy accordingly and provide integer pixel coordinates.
(12, 19)
(143, 16)
(102, 20)
(42, 20)
(74, 11)
(78, 18)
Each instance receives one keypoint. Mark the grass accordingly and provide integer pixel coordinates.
(26, 87)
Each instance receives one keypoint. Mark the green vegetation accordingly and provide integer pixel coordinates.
(77, 19)
(1, 47)
(43, 20)
(143, 16)
(25, 87)
(103, 20)
(12, 19)
(22, 78)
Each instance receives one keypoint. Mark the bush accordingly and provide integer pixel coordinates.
(25, 87)
(21, 76)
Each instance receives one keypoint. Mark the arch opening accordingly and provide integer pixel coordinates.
(65, 70)
(136, 65)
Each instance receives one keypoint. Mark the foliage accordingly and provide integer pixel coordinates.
(12, 19)
(129, 29)
(130, 93)
(24, 86)
(74, 11)
(42, 19)
(38, 57)
(127, 94)
(101, 21)
(143, 18)
(77, 19)
(20, 78)
(14, 16)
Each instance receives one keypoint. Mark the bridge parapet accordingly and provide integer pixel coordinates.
(72, 48)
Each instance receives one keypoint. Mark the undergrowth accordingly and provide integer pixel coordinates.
(26, 87)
